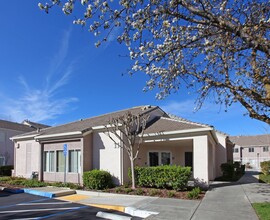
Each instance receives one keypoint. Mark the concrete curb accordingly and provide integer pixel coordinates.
(12, 190)
(39, 193)
(94, 193)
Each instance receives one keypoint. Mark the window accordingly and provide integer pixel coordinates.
(265, 149)
(236, 150)
(251, 149)
(49, 161)
(2, 161)
(74, 161)
(159, 158)
(60, 162)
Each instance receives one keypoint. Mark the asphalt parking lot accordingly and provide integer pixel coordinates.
(26, 206)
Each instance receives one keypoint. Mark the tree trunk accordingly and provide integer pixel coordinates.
(132, 173)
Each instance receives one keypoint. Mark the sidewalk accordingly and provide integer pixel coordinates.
(233, 200)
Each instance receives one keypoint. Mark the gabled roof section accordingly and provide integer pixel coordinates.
(255, 140)
(165, 124)
(15, 126)
(85, 125)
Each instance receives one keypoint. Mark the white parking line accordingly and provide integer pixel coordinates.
(45, 203)
(39, 210)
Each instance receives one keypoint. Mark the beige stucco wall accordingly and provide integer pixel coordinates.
(28, 157)
(221, 153)
(107, 155)
(177, 149)
(87, 152)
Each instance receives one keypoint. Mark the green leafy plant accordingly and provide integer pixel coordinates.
(118, 190)
(264, 178)
(128, 190)
(265, 167)
(139, 191)
(97, 179)
(194, 193)
(227, 170)
(153, 192)
(175, 177)
(171, 194)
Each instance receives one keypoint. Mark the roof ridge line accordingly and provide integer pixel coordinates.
(177, 118)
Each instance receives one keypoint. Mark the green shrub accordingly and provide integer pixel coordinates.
(5, 179)
(264, 178)
(139, 191)
(171, 194)
(194, 193)
(153, 192)
(175, 177)
(128, 190)
(97, 179)
(118, 190)
(227, 169)
(265, 167)
(6, 170)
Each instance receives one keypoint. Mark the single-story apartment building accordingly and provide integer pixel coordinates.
(64, 152)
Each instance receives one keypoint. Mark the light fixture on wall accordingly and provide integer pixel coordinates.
(18, 146)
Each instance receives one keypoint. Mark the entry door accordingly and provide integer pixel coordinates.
(189, 159)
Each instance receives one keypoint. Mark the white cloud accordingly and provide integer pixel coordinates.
(42, 103)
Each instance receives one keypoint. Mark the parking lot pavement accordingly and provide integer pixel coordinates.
(26, 206)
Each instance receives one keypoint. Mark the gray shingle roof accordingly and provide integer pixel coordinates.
(87, 124)
(15, 126)
(256, 140)
(172, 124)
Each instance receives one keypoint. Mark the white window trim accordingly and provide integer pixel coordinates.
(159, 156)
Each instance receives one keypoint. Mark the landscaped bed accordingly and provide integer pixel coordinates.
(188, 193)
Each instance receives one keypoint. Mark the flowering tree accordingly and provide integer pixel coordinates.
(128, 133)
(219, 47)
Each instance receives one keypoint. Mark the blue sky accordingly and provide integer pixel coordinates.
(52, 73)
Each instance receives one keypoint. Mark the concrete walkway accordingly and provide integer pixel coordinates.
(233, 200)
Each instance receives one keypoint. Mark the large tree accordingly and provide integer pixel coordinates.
(218, 47)
(128, 132)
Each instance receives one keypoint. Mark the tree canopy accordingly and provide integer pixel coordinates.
(220, 48)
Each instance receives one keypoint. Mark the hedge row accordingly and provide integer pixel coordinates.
(265, 167)
(175, 177)
(97, 179)
(6, 170)
(231, 169)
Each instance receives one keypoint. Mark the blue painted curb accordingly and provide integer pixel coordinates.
(39, 193)
(15, 191)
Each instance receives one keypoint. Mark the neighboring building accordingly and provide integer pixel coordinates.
(9, 129)
(167, 140)
(251, 149)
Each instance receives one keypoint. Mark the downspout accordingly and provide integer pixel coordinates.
(40, 177)
(121, 162)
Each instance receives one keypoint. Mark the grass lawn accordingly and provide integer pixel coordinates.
(264, 178)
(263, 210)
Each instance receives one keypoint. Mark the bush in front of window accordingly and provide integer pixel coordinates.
(97, 179)
(167, 177)
(6, 170)
(265, 167)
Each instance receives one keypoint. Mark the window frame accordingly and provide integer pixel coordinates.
(251, 150)
(50, 160)
(236, 150)
(265, 148)
(159, 157)
(78, 165)
(57, 170)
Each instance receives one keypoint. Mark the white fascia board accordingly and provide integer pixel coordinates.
(58, 135)
(104, 126)
(23, 137)
(177, 132)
